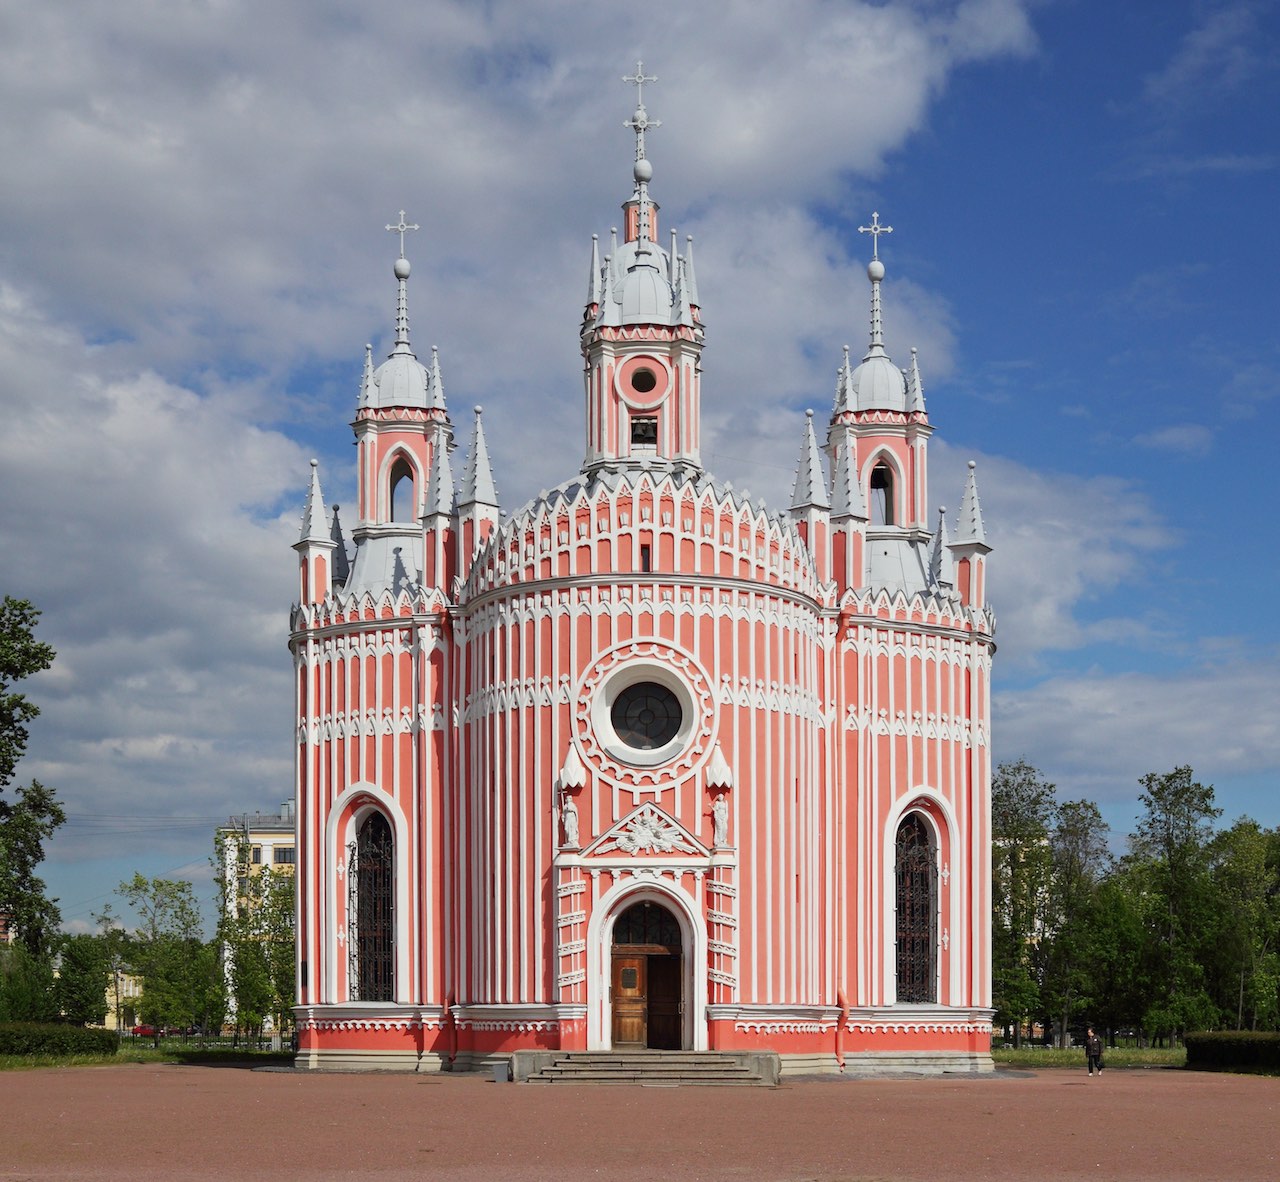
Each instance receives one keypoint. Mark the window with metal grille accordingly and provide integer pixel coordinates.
(917, 906)
(647, 923)
(370, 911)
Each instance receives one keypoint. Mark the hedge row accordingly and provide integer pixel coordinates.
(52, 1038)
(1232, 1049)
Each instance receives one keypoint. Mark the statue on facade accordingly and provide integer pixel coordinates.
(569, 819)
(720, 820)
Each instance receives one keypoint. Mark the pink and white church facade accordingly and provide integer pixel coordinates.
(642, 764)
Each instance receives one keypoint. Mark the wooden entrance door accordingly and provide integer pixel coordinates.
(665, 1020)
(630, 1000)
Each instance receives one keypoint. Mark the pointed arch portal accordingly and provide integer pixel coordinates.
(648, 979)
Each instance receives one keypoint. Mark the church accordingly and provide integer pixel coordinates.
(641, 764)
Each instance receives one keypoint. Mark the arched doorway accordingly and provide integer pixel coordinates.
(647, 979)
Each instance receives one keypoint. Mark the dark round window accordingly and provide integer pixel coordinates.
(643, 380)
(646, 716)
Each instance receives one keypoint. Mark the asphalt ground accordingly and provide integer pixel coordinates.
(150, 1121)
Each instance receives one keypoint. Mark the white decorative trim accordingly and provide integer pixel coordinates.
(693, 932)
(404, 844)
(622, 665)
(647, 830)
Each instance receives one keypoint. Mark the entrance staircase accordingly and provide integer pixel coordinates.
(668, 1069)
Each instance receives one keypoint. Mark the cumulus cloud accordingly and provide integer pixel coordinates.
(1096, 734)
(195, 257)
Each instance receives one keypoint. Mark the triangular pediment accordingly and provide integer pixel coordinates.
(644, 831)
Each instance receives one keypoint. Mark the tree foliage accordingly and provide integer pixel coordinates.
(27, 822)
(256, 930)
(1183, 933)
(83, 975)
(21, 655)
(1023, 806)
(181, 984)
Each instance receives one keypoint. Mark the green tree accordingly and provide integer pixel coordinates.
(1022, 812)
(27, 822)
(26, 985)
(1079, 859)
(168, 952)
(256, 929)
(25, 825)
(1246, 882)
(1170, 845)
(83, 975)
(21, 655)
(1118, 985)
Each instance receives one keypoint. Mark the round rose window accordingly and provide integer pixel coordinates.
(646, 716)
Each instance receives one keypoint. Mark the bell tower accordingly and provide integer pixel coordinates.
(642, 333)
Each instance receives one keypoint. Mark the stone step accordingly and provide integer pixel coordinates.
(652, 1069)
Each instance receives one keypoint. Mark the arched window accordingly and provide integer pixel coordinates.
(882, 495)
(403, 506)
(917, 908)
(371, 912)
(648, 923)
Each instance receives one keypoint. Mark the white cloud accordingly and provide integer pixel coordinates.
(1192, 439)
(1220, 53)
(194, 249)
(1096, 734)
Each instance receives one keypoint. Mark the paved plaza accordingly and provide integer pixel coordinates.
(157, 1121)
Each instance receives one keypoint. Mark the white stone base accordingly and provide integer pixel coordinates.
(354, 1060)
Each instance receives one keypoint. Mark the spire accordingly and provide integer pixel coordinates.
(366, 379)
(940, 562)
(842, 385)
(915, 387)
(314, 525)
(440, 494)
(593, 280)
(969, 529)
(341, 567)
(402, 275)
(643, 170)
(811, 486)
(690, 280)
(875, 272)
(435, 396)
(846, 489)
(477, 478)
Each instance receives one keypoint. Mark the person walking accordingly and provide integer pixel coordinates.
(1093, 1051)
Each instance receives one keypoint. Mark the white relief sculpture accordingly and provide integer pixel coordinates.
(720, 821)
(649, 833)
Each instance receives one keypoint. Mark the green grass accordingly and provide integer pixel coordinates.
(1046, 1057)
(149, 1054)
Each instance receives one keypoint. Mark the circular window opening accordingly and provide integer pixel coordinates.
(646, 716)
(644, 381)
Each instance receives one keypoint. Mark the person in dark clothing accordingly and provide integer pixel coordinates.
(1093, 1051)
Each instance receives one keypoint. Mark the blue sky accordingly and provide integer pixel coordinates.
(192, 259)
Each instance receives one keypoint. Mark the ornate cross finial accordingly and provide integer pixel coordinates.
(639, 79)
(875, 230)
(640, 121)
(401, 229)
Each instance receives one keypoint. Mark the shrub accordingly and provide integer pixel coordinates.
(52, 1038)
(1234, 1050)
